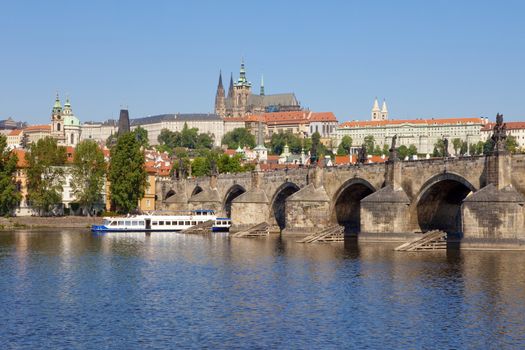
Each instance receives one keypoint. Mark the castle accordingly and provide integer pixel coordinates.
(241, 102)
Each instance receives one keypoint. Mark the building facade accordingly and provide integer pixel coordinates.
(516, 129)
(422, 133)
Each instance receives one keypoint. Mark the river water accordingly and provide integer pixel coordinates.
(71, 289)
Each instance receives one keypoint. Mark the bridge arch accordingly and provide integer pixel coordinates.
(277, 208)
(196, 190)
(234, 192)
(169, 194)
(438, 203)
(346, 209)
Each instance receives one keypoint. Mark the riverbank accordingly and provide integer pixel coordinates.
(34, 222)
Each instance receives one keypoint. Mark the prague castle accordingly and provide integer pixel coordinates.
(241, 102)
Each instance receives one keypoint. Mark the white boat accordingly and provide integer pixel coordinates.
(159, 222)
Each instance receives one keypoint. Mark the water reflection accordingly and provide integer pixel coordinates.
(72, 289)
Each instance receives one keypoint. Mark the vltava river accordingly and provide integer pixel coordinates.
(75, 290)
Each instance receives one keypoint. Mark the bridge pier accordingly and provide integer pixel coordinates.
(494, 216)
(209, 198)
(250, 208)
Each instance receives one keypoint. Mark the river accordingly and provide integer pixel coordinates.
(70, 289)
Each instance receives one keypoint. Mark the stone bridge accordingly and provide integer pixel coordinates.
(479, 199)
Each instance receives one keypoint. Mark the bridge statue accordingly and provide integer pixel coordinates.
(499, 135)
(393, 150)
(361, 154)
(445, 148)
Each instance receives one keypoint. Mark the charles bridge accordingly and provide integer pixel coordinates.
(477, 199)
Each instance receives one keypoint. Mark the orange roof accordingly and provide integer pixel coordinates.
(45, 127)
(323, 117)
(230, 152)
(15, 132)
(21, 155)
(274, 166)
(234, 119)
(448, 121)
(340, 160)
(352, 159)
(509, 125)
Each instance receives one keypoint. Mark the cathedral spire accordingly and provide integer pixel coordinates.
(262, 85)
(230, 89)
(376, 112)
(57, 107)
(220, 81)
(384, 111)
(220, 105)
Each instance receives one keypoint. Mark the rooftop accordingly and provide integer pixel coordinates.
(378, 123)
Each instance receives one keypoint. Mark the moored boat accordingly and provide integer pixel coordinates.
(159, 222)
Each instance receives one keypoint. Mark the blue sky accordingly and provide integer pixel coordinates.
(426, 58)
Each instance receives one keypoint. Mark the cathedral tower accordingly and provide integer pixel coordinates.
(242, 89)
(220, 103)
(384, 111)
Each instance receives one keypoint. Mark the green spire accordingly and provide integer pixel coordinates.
(57, 107)
(242, 81)
(67, 104)
(262, 86)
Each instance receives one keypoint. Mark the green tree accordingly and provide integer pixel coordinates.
(464, 148)
(45, 174)
(169, 139)
(127, 174)
(402, 152)
(181, 165)
(511, 144)
(488, 147)
(227, 164)
(9, 195)
(142, 136)
(200, 166)
(88, 172)
(412, 151)
(439, 148)
(456, 144)
(239, 137)
(377, 151)
(385, 150)
(189, 136)
(204, 141)
(344, 146)
(111, 140)
(369, 144)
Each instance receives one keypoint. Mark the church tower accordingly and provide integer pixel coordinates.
(71, 125)
(57, 123)
(376, 112)
(220, 103)
(384, 111)
(242, 89)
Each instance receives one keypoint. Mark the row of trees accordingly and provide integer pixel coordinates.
(189, 138)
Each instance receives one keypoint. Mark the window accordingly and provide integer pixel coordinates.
(134, 223)
(187, 223)
(120, 223)
(161, 223)
(194, 222)
(154, 223)
(128, 223)
(58, 127)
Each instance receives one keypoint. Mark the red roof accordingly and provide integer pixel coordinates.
(352, 159)
(323, 117)
(230, 152)
(448, 121)
(291, 117)
(15, 132)
(21, 155)
(509, 125)
(45, 127)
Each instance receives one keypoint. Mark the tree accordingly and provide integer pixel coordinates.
(412, 151)
(24, 141)
(344, 146)
(464, 148)
(181, 166)
(111, 140)
(88, 171)
(169, 139)
(239, 137)
(9, 195)
(511, 144)
(369, 144)
(439, 148)
(200, 166)
(377, 151)
(456, 144)
(402, 151)
(142, 136)
(204, 141)
(45, 174)
(189, 136)
(127, 175)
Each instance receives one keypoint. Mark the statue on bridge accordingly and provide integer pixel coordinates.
(393, 150)
(499, 135)
(361, 155)
(445, 148)
(213, 167)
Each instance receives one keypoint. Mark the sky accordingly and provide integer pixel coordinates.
(426, 58)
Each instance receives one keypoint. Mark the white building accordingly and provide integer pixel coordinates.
(423, 133)
(98, 131)
(210, 124)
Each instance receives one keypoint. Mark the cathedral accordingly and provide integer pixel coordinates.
(240, 100)
(65, 127)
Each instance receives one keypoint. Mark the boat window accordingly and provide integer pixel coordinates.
(161, 222)
(173, 223)
(154, 223)
(187, 223)
(113, 223)
(134, 223)
(128, 223)
(181, 223)
(141, 223)
(120, 223)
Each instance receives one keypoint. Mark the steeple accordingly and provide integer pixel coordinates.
(376, 111)
(242, 81)
(67, 107)
(384, 111)
(262, 86)
(220, 104)
(57, 107)
(230, 89)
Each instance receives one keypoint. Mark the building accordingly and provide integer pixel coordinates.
(240, 100)
(37, 132)
(98, 131)
(379, 114)
(10, 124)
(14, 138)
(210, 124)
(516, 129)
(23, 208)
(423, 133)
